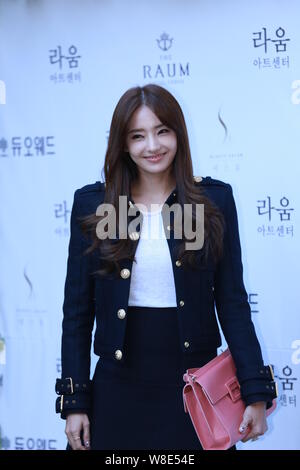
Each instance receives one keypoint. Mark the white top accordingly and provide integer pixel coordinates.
(152, 279)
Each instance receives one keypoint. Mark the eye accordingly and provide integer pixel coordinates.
(136, 136)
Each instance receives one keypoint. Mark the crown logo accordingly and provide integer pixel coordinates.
(165, 42)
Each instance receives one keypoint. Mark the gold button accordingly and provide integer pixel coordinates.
(134, 235)
(186, 344)
(125, 273)
(121, 313)
(181, 303)
(178, 263)
(118, 354)
(198, 179)
(212, 288)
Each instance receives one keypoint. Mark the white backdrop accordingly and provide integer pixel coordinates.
(234, 68)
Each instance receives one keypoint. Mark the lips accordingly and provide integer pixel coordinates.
(156, 156)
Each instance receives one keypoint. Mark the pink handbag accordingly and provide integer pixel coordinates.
(213, 400)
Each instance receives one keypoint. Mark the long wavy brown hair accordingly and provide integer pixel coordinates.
(120, 171)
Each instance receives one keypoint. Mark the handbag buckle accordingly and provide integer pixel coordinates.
(233, 388)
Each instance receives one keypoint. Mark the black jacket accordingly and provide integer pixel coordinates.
(200, 295)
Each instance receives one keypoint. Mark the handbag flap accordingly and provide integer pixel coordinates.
(218, 378)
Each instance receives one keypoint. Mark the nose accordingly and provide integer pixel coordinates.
(153, 143)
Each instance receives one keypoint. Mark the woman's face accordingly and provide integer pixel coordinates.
(148, 137)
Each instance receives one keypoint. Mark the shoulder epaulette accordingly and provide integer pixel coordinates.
(88, 188)
(198, 179)
(208, 181)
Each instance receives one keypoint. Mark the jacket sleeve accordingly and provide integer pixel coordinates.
(234, 314)
(78, 320)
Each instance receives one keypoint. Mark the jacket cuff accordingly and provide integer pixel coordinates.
(77, 410)
(78, 401)
(74, 395)
(69, 385)
(261, 387)
(255, 372)
(253, 391)
(251, 399)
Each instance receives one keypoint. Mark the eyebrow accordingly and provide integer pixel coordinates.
(139, 130)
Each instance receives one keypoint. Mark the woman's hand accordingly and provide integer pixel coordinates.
(75, 424)
(255, 419)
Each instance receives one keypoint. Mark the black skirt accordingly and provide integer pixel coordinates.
(138, 404)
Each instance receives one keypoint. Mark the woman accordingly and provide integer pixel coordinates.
(153, 297)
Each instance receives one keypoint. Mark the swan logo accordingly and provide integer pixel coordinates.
(28, 281)
(221, 121)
